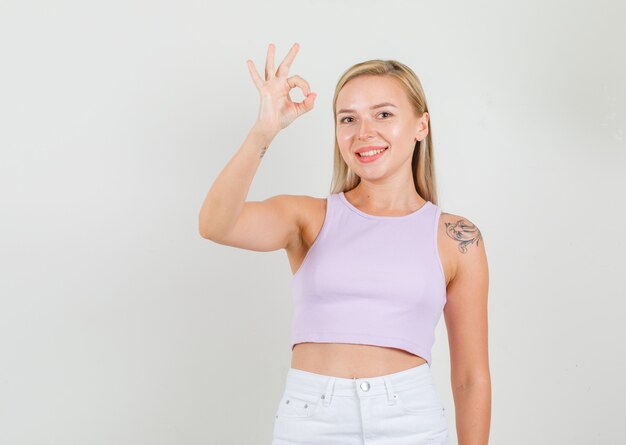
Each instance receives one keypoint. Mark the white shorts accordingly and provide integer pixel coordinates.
(402, 408)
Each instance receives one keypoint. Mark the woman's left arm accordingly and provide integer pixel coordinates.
(465, 315)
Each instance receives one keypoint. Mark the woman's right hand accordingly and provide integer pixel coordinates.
(277, 110)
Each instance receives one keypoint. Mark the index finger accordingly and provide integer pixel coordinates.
(283, 68)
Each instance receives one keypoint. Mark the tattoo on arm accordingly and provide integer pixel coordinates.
(464, 232)
(263, 150)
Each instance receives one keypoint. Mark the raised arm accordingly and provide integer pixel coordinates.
(226, 217)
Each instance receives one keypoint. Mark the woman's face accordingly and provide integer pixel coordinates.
(363, 121)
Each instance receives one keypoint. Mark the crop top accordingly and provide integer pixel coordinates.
(368, 279)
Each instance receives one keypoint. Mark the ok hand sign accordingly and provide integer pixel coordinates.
(277, 110)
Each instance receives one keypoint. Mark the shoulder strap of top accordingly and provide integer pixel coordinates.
(331, 203)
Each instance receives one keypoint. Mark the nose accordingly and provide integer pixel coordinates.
(365, 131)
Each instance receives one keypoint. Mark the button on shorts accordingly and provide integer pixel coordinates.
(401, 408)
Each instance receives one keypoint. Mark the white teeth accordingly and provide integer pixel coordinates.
(372, 152)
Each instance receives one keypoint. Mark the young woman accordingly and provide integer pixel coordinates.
(375, 264)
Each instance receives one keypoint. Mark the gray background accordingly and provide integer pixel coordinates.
(119, 324)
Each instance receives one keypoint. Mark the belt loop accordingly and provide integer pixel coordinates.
(328, 392)
(391, 396)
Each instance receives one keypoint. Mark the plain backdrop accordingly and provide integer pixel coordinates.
(120, 324)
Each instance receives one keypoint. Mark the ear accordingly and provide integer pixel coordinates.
(422, 127)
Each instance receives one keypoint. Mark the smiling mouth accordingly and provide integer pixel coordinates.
(373, 154)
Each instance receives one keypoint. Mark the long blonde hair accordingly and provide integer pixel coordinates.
(344, 179)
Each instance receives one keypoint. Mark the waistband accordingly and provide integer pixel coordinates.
(306, 382)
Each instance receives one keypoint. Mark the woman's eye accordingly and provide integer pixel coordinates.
(383, 112)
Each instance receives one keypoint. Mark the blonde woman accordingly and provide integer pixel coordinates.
(375, 263)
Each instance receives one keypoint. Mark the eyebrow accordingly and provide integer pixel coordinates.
(384, 104)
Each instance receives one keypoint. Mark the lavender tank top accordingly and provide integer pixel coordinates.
(367, 279)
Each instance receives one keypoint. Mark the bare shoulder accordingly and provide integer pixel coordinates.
(307, 211)
(301, 205)
(461, 243)
(298, 201)
(462, 231)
